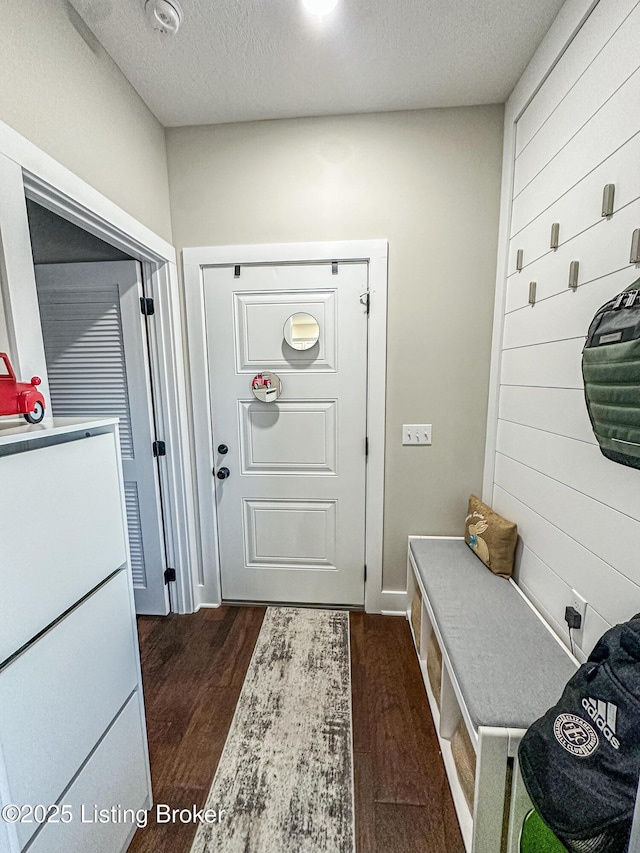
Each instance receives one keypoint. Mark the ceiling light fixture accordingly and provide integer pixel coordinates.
(320, 7)
(165, 16)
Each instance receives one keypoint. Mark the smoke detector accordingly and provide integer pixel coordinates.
(165, 16)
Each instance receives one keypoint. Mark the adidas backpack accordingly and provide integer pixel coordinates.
(580, 762)
(611, 372)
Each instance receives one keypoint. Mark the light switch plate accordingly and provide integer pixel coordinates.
(416, 434)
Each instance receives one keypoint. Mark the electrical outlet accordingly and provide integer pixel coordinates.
(580, 604)
(416, 434)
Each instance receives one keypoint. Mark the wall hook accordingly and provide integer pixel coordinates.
(574, 271)
(608, 197)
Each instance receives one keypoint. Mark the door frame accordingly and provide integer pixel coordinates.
(375, 253)
(26, 171)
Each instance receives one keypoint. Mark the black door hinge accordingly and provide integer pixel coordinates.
(236, 271)
(169, 575)
(365, 572)
(159, 448)
(146, 306)
(366, 446)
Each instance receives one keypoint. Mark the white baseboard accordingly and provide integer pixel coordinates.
(392, 602)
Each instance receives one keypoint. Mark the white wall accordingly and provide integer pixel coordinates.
(67, 96)
(578, 513)
(428, 181)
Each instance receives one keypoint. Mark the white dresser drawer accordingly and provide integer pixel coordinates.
(59, 696)
(115, 775)
(62, 532)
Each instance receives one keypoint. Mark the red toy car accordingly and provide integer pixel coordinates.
(260, 381)
(19, 398)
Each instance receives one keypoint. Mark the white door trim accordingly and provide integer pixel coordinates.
(53, 186)
(375, 253)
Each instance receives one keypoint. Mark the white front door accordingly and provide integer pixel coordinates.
(291, 513)
(96, 353)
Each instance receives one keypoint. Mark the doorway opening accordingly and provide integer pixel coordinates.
(259, 441)
(98, 362)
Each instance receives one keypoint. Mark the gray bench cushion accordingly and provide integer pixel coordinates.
(509, 667)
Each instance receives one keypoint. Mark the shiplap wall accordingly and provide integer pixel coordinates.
(578, 514)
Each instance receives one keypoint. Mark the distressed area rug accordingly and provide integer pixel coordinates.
(285, 777)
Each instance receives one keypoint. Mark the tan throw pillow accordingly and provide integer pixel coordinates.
(491, 537)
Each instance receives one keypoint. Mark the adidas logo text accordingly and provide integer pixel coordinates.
(604, 716)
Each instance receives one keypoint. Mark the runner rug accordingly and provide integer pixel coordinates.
(285, 777)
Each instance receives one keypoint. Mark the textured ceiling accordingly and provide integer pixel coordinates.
(238, 60)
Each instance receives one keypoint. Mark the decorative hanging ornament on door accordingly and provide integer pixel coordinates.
(266, 386)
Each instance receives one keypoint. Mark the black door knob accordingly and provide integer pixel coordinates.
(222, 448)
(223, 473)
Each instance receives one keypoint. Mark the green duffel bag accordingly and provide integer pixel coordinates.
(611, 372)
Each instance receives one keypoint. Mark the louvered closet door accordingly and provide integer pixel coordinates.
(96, 353)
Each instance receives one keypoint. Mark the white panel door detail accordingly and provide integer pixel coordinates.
(95, 346)
(291, 514)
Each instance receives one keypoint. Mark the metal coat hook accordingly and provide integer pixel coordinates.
(608, 197)
(574, 271)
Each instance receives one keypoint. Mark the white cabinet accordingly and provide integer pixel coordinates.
(73, 729)
(62, 531)
(115, 774)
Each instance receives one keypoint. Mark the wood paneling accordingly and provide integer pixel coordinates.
(193, 668)
(545, 585)
(558, 410)
(578, 513)
(617, 597)
(580, 209)
(613, 125)
(601, 250)
(568, 314)
(597, 30)
(553, 365)
(580, 466)
(615, 63)
(597, 527)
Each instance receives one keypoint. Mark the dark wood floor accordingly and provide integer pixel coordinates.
(403, 803)
(193, 668)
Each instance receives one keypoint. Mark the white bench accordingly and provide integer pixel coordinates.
(502, 668)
